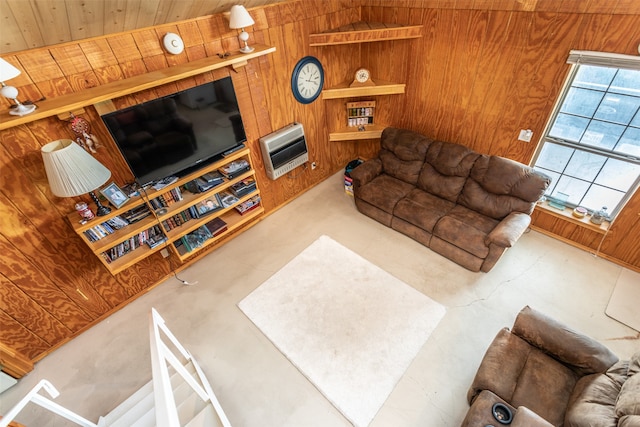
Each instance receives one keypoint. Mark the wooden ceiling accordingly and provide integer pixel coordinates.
(28, 24)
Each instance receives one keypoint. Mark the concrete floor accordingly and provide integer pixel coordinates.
(258, 387)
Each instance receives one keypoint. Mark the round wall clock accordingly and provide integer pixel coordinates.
(307, 79)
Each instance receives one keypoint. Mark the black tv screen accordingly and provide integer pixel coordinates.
(179, 133)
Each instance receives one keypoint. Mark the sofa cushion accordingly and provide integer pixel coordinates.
(466, 229)
(402, 153)
(499, 186)
(384, 192)
(455, 254)
(544, 386)
(446, 169)
(501, 366)
(422, 209)
(584, 354)
(593, 399)
(628, 403)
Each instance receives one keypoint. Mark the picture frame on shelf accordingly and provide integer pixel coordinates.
(209, 205)
(114, 195)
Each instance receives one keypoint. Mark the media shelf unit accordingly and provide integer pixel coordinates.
(233, 219)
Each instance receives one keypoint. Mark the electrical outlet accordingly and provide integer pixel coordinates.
(313, 165)
(164, 252)
(525, 135)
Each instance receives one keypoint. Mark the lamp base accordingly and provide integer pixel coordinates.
(247, 49)
(101, 210)
(21, 109)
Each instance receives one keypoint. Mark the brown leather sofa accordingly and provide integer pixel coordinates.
(464, 205)
(566, 378)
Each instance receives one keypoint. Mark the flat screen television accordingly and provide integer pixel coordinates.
(179, 133)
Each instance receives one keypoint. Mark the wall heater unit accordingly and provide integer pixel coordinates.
(284, 150)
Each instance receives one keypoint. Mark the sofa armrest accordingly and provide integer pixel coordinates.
(509, 230)
(365, 172)
(525, 417)
(584, 354)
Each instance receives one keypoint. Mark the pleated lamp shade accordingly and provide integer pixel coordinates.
(72, 171)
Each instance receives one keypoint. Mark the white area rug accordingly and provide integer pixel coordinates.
(350, 327)
(625, 299)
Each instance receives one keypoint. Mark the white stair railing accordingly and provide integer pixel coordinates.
(161, 354)
(46, 403)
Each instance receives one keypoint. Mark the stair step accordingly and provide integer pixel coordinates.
(187, 400)
(205, 418)
(138, 410)
(188, 404)
(140, 397)
(142, 414)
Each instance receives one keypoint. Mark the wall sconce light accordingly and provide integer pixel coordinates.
(71, 171)
(240, 18)
(7, 72)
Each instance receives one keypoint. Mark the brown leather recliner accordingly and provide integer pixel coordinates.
(565, 377)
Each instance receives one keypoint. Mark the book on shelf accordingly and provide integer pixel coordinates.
(117, 222)
(196, 238)
(248, 205)
(244, 187)
(227, 199)
(235, 168)
(132, 243)
(155, 241)
(167, 198)
(216, 226)
(136, 214)
(205, 182)
(213, 177)
(105, 228)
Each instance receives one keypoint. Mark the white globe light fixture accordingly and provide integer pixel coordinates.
(240, 18)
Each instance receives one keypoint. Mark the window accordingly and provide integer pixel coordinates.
(591, 146)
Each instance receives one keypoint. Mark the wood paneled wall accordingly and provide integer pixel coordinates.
(488, 68)
(484, 70)
(52, 287)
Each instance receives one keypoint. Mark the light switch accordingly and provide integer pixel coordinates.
(525, 135)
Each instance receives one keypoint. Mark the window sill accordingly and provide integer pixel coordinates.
(568, 216)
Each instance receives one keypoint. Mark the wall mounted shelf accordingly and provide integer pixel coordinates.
(74, 101)
(352, 133)
(364, 32)
(381, 88)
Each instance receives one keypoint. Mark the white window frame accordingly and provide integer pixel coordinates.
(577, 58)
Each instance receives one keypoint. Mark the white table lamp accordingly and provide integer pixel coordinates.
(71, 171)
(7, 72)
(240, 18)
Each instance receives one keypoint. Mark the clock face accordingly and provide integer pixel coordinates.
(307, 79)
(362, 75)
